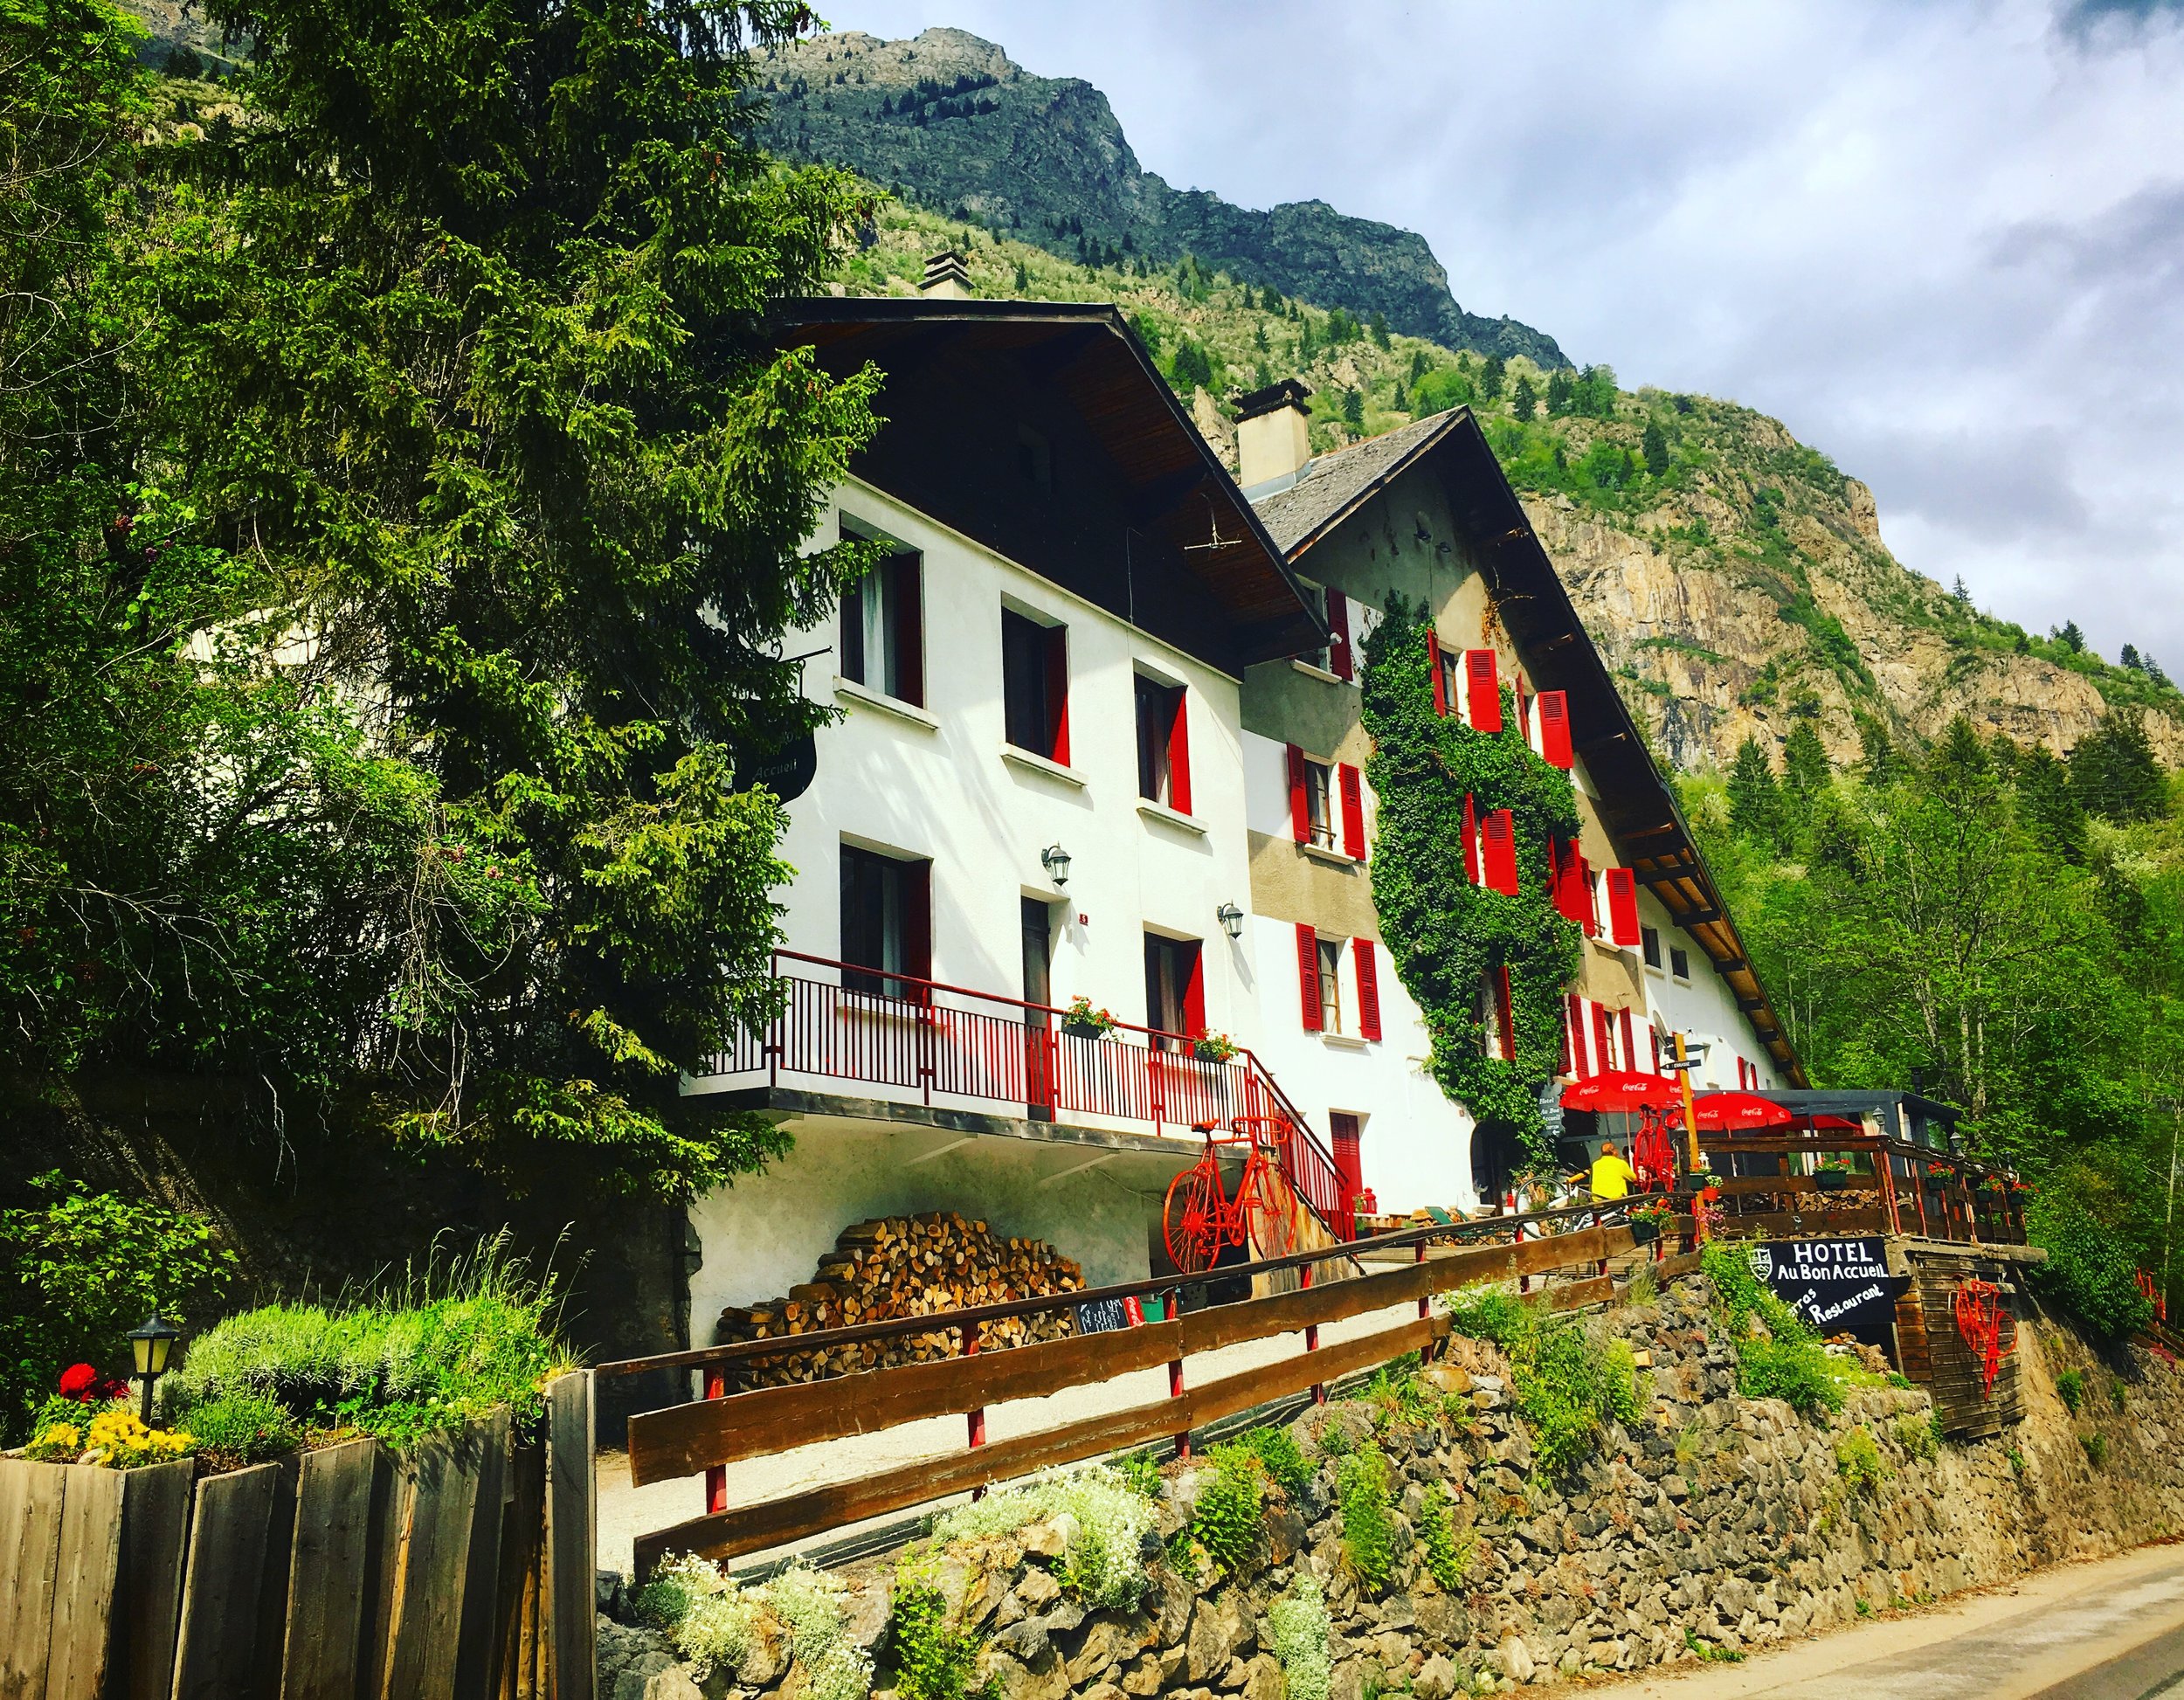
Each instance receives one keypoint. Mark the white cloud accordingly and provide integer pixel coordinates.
(1944, 243)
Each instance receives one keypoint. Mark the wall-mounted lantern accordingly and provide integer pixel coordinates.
(1231, 920)
(1055, 860)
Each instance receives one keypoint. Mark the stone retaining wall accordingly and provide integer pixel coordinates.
(1713, 1522)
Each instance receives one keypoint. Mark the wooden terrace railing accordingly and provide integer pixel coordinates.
(948, 1042)
(709, 1434)
(1897, 1188)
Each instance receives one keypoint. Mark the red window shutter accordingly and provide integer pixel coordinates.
(1308, 975)
(1623, 905)
(917, 927)
(1338, 657)
(1300, 811)
(1353, 839)
(1630, 1042)
(1554, 729)
(1368, 988)
(1471, 841)
(1193, 989)
(1179, 755)
(1441, 678)
(1603, 1039)
(1482, 690)
(1573, 1021)
(1505, 1012)
(1499, 834)
(1653, 1033)
(1058, 693)
(908, 635)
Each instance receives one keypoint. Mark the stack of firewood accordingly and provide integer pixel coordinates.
(904, 1266)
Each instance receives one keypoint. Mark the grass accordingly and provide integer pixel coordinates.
(1781, 1358)
(2070, 1387)
(1100, 1564)
(1227, 1517)
(1858, 1462)
(453, 1344)
(1570, 1382)
(1368, 1523)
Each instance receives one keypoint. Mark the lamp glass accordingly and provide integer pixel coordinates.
(150, 1345)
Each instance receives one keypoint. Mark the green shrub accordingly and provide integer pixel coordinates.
(1282, 1459)
(244, 1428)
(1301, 1634)
(2017, 1463)
(1141, 1470)
(462, 1340)
(81, 1269)
(1789, 1363)
(1570, 1382)
(1368, 1521)
(2090, 1268)
(1859, 1463)
(1101, 1564)
(706, 1617)
(1898, 1380)
(2116, 1394)
(810, 1602)
(2095, 1448)
(1332, 1440)
(1226, 1519)
(1396, 1395)
(1449, 1550)
(2070, 1387)
(1917, 1437)
(933, 1660)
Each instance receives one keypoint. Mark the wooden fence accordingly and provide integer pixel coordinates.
(1902, 1189)
(462, 1568)
(709, 1434)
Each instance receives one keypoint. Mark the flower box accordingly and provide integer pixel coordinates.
(1834, 1180)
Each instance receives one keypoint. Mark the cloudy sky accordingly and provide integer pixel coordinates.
(1942, 240)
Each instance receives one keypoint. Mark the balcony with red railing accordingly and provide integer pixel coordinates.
(913, 1040)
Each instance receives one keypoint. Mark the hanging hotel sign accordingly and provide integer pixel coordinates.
(787, 773)
(1833, 1284)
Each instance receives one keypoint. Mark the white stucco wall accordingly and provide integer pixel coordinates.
(1703, 1008)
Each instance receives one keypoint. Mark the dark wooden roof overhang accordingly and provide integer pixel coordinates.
(1637, 804)
(1179, 491)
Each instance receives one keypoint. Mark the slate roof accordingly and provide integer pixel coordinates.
(1331, 485)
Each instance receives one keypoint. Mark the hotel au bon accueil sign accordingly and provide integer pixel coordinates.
(1834, 1284)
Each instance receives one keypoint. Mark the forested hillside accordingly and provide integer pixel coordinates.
(1735, 579)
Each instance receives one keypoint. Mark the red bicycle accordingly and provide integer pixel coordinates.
(1200, 1218)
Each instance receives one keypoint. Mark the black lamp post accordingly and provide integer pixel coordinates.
(150, 1344)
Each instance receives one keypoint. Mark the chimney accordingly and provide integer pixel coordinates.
(1271, 440)
(945, 277)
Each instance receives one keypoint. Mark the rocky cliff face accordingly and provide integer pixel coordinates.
(951, 121)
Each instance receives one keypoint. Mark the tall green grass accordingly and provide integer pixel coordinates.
(453, 1341)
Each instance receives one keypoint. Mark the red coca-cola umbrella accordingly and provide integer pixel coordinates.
(1739, 1112)
(1836, 1124)
(1621, 1093)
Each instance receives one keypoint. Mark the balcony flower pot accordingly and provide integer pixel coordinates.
(1214, 1048)
(1078, 1028)
(1710, 1195)
(1081, 1021)
(1834, 1180)
(1644, 1230)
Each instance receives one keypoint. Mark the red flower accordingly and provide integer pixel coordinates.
(78, 1380)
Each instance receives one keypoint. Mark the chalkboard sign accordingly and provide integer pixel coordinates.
(1102, 1316)
(788, 773)
(1833, 1284)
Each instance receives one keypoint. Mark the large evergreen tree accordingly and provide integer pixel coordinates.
(455, 447)
(1755, 802)
(2115, 772)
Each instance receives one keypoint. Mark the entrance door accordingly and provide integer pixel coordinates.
(1497, 1151)
(1039, 1040)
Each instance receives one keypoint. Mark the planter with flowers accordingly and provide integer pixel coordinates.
(1082, 1020)
(1833, 1174)
(1707, 1185)
(1214, 1047)
(1651, 1219)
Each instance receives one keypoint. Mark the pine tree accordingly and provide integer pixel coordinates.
(1522, 403)
(2051, 810)
(1878, 760)
(2130, 658)
(1418, 363)
(1755, 803)
(2115, 772)
(1379, 328)
(1353, 410)
(1656, 449)
(1559, 391)
(1490, 376)
(2070, 638)
(1806, 769)
(1022, 279)
(1959, 592)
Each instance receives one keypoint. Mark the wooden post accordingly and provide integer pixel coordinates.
(571, 1539)
(1888, 1189)
(1311, 1337)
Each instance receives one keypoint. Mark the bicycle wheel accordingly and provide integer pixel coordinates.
(1193, 1219)
(1268, 1211)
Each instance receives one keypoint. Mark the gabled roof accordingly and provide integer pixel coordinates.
(1636, 804)
(1179, 492)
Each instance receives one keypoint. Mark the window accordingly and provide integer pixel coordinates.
(1035, 686)
(1679, 963)
(1175, 989)
(1649, 943)
(1319, 810)
(882, 634)
(1163, 744)
(1330, 965)
(887, 924)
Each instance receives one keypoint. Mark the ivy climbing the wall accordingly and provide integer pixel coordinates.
(1447, 936)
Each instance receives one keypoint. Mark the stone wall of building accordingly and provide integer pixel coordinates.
(1713, 1522)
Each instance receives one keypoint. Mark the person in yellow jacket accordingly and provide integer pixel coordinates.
(1611, 1176)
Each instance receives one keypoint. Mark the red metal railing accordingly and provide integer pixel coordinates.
(934, 1038)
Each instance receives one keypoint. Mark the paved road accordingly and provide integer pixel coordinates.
(2109, 1630)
